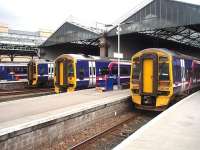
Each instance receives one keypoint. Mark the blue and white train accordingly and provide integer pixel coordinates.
(13, 71)
(109, 75)
(40, 73)
(77, 71)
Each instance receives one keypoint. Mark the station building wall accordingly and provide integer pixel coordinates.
(128, 45)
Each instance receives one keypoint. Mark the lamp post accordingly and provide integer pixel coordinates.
(118, 59)
(118, 49)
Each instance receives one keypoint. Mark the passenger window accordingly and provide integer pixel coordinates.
(91, 71)
(114, 70)
(104, 71)
(71, 70)
(81, 74)
(163, 71)
(52, 70)
(94, 70)
(124, 71)
(42, 71)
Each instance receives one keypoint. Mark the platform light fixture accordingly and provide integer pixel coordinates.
(119, 29)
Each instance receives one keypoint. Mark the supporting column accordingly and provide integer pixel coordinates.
(103, 44)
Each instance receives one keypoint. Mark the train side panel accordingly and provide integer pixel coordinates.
(124, 73)
(82, 74)
(13, 71)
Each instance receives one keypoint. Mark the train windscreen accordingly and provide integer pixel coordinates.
(164, 71)
(136, 69)
(104, 71)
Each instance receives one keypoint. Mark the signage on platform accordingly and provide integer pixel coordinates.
(118, 55)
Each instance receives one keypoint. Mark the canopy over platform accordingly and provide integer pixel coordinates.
(73, 33)
(18, 50)
(166, 19)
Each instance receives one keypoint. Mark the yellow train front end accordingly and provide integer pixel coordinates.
(32, 73)
(65, 74)
(151, 81)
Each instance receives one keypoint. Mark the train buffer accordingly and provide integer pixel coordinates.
(176, 128)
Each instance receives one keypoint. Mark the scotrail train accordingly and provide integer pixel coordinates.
(109, 75)
(13, 71)
(40, 73)
(76, 71)
(158, 75)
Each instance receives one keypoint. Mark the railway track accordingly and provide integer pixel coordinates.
(112, 136)
(23, 93)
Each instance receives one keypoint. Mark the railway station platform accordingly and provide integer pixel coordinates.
(33, 122)
(176, 128)
(11, 85)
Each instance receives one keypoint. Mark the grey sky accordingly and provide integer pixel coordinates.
(50, 14)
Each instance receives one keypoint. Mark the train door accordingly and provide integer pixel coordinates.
(30, 73)
(183, 78)
(149, 74)
(64, 73)
(61, 76)
(35, 72)
(92, 73)
(50, 71)
(57, 73)
(61, 73)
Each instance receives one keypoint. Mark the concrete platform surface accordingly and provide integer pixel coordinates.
(24, 113)
(177, 128)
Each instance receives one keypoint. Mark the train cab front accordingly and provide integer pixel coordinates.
(151, 81)
(32, 73)
(64, 75)
(101, 79)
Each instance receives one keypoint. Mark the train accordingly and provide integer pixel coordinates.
(111, 72)
(158, 75)
(78, 71)
(40, 73)
(13, 71)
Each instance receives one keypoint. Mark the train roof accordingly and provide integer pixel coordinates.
(13, 63)
(173, 53)
(88, 57)
(80, 57)
(83, 57)
(41, 61)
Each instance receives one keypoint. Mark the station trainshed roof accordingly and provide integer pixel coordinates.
(74, 33)
(18, 50)
(166, 19)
